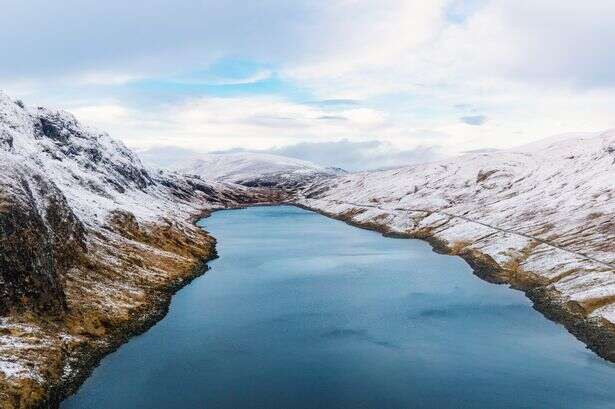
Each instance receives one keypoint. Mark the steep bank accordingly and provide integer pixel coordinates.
(92, 245)
(539, 219)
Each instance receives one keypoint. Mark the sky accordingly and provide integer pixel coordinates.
(351, 83)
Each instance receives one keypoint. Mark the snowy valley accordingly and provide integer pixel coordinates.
(93, 244)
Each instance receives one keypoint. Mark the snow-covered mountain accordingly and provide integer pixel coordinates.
(257, 169)
(92, 245)
(50, 161)
(540, 217)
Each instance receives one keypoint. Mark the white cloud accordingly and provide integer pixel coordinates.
(258, 76)
(101, 115)
(257, 122)
(402, 71)
(157, 36)
(267, 122)
(103, 78)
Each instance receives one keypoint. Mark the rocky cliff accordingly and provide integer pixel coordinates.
(40, 239)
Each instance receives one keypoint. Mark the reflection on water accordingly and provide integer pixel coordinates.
(301, 311)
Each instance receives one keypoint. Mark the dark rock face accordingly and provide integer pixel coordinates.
(52, 130)
(65, 139)
(6, 141)
(40, 239)
(288, 182)
(56, 125)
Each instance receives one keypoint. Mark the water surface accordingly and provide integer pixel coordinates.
(301, 311)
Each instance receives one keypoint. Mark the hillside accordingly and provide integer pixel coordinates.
(257, 169)
(540, 218)
(92, 245)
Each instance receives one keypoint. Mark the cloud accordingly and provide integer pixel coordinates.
(257, 76)
(358, 155)
(166, 156)
(336, 46)
(475, 120)
(106, 113)
(364, 138)
(337, 102)
(354, 156)
(407, 73)
(351, 156)
(105, 78)
(332, 118)
(252, 122)
(570, 42)
(60, 39)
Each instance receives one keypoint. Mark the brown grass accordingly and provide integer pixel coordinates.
(4, 203)
(118, 281)
(349, 214)
(594, 215)
(593, 304)
(458, 246)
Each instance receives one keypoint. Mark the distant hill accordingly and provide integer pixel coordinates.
(257, 169)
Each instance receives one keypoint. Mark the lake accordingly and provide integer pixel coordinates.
(301, 311)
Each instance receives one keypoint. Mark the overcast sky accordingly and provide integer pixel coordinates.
(370, 83)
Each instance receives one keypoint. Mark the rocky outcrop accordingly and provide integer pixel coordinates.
(40, 240)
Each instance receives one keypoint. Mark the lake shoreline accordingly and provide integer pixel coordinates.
(596, 333)
(90, 356)
(598, 336)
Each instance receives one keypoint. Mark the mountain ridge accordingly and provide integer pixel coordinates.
(257, 169)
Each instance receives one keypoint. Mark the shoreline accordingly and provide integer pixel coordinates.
(91, 355)
(596, 333)
(86, 358)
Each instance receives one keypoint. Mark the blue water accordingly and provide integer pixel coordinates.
(301, 311)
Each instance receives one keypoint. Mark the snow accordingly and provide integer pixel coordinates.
(248, 167)
(548, 206)
(570, 137)
(246, 164)
(12, 369)
(48, 154)
(95, 173)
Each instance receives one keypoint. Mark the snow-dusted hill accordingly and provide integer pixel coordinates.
(50, 161)
(541, 217)
(92, 245)
(257, 169)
